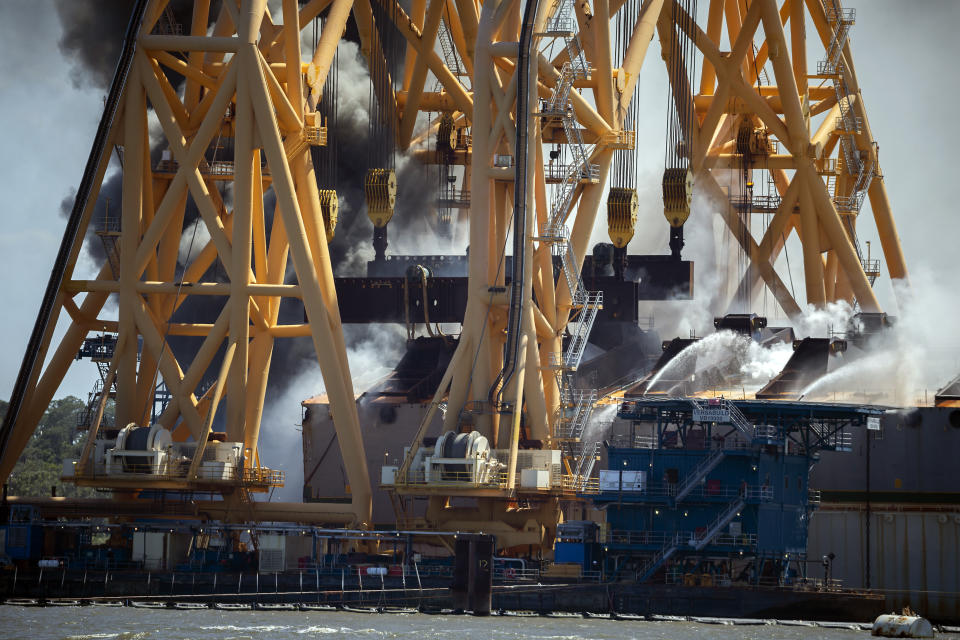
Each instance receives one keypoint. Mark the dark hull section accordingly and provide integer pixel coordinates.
(890, 511)
(809, 362)
(433, 595)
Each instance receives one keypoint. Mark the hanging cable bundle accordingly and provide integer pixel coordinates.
(447, 134)
(677, 176)
(325, 158)
(380, 181)
(622, 199)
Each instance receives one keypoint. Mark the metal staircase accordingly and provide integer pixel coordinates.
(841, 20)
(576, 404)
(699, 472)
(646, 572)
(586, 458)
(702, 540)
(858, 164)
(86, 415)
(450, 56)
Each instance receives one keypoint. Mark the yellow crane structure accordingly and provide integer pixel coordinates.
(519, 76)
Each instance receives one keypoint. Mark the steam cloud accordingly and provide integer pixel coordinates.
(907, 364)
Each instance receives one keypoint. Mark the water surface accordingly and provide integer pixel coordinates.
(125, 623)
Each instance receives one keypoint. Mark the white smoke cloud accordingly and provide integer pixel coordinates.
(372, 351)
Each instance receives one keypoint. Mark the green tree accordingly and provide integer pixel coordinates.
(55, 439)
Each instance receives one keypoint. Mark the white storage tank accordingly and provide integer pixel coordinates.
(894, 626)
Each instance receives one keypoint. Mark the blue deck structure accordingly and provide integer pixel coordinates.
(716, 490)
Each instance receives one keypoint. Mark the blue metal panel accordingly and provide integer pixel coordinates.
(24, 541)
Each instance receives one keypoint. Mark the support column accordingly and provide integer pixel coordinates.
(133, 132)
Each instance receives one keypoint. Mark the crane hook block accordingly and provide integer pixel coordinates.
(380, 188)
(622, 206)
(677, 195)
(329, 205)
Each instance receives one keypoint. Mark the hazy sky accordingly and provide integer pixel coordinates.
(905, 52)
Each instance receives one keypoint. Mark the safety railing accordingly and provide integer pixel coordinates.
(661, 556)
(179, 471)
(556, 172)
(580, 484)
(757, 203)
(467, 479)
(315, 135)
(267, 477)
(704, 491)
(817, 584)
(561, 22)
(832, 438)
(624, 441)
(454, 197)
(510, 574)
(445, 478)
(702, 539)
(577, 412)
(620, 139)
(682, 537)
(108, 224)
(854, 123)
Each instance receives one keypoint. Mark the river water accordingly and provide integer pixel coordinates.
(125, 623)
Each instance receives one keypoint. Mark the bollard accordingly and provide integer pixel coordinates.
(472, 584)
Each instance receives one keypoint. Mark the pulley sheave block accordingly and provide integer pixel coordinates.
(329, 206)
(677, 195)
(380, 188)
(622, 207)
